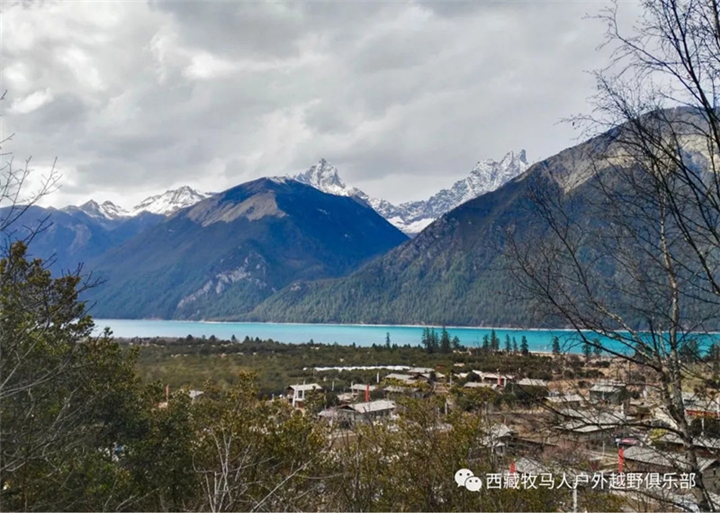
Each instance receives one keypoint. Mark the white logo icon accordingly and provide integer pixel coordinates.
(465, 477)
(473, 483)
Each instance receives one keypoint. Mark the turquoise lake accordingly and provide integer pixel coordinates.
(361, 335)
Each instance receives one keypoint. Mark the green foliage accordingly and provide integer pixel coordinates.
(430, 341)
(556, 345)
(494, 341)
(80, 431)
(405, 467)
(191, 363)
(445, 343)
(179, 268)
(66, 399)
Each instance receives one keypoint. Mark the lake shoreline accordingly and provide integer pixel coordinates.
(362, 335)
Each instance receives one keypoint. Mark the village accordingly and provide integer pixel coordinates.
(560, 429)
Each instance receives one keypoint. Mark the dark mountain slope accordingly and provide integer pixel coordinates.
(454, 272)
(69, 239)
(222, 256)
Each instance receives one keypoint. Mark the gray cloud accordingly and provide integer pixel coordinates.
(134, 98)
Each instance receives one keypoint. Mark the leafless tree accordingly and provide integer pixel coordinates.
(16, 197)
(629, 256)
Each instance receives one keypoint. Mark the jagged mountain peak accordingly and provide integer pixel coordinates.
(105, 210)
(325, 177)
(511, 161)
(412, 217)
(170, 201)
(488, 175)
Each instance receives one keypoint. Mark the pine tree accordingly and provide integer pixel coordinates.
(486, 343)
(445, 345)
(494, 341)
(435, 341)
(587, 350)
(456, 344)
(508, 344)
(515, 345)
(524, 349)
(426, 340)
(387, 340)
(556, 345)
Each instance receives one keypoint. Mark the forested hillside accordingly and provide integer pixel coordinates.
(222, 256)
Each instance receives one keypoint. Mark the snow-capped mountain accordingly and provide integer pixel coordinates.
(413, 216)
(170, 201)
(324, 176)
(410, 217)
(163, 204)
(105, 210)
(486, 176)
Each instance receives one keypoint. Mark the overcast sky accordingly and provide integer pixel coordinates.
(403, 97)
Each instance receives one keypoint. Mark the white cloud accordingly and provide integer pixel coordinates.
(31, 102)
(137, 97)
(204, 66)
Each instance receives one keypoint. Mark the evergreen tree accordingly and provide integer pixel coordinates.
(524, 349)
(508, 344)
(456, 344)
(435, 340)
(387, 340)
(426, 341)
(445, 344)
(494, 341)
(514, 345)
(587, 350)
(556, 345)
(486, 343)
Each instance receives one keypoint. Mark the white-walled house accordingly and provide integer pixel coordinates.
(296, 394)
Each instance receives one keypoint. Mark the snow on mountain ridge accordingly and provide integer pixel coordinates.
(170, 201)
(410, 217)
(164, 204)
(324, 176)
(106, 210)
(413, 216)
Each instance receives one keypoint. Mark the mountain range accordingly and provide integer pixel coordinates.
(413, 216)
(75, 236)
(460, 269)
(410, 217)
(222, 256)
(163, 204)
(452, 273)
(308, 248)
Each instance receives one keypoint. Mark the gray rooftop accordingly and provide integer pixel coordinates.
(400, 377)
(526, 382)
(309, 386)
(358, 387)
(652, 456)
(373, 406)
